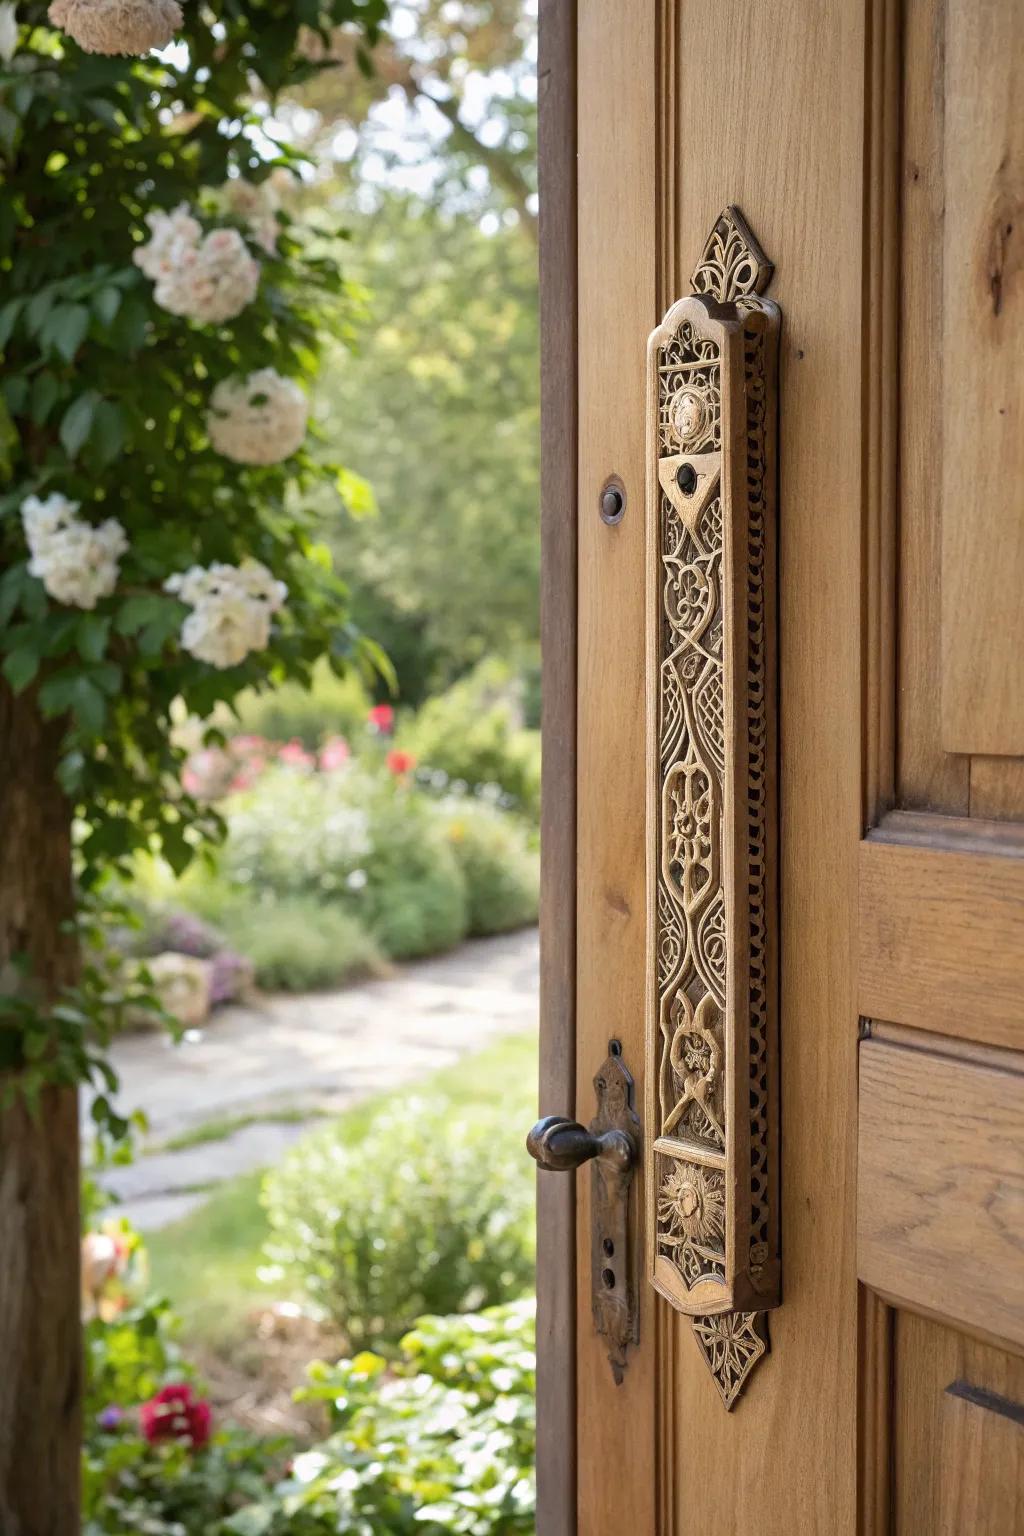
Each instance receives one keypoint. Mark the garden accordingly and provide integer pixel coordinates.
(269, 728)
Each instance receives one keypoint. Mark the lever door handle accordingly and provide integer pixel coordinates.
(558, 1144)
(611, 1145)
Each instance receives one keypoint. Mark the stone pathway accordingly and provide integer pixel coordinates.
(298, 1056)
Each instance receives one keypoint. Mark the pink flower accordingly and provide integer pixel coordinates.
(382, 719)
(334, 754)
(400, 763)
(249, 746)
(295, 755)
(175, 1413)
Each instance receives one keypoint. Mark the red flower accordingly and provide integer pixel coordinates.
(400, 763)
(175, 1413)
(382, 719)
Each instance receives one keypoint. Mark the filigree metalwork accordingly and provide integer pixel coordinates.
(732, 264)
(731, 1346)
(712, 368)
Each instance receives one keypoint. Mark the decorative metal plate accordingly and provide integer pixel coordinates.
(712, 1107)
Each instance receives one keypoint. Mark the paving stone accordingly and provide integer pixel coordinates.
(310, 1052)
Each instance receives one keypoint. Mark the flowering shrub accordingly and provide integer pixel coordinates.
(400, 763)
(439, 1440)
(501, 870)
(208, 278)
(439, 1443)
(258, 420)
(231, 610)
(76, 563)
(472, 735)
(430, 1210)
(130, 293)
(118, 26)
(382, 719)
(176, 1413)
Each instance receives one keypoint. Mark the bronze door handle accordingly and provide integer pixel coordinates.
(558, 1144)
(611, 1145)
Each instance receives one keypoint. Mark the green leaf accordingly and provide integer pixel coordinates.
(141, 609)
(108, 676)
(108, 432)
(128, 331)
(69, 691)
(9, 442)
(45, 389)
(8, 316)
(77, 422)
(11, 584)
(39, 306)
(106, 304)
(356, 493)
(15, 392)
(20, 668)
(66, 328)
(105, 111)
(93, 634)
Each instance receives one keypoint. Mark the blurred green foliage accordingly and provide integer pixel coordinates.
(429, 1212)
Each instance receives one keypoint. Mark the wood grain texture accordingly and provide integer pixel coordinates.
(785, 1459)
(556, 1232)
(927, 777)
(880, 435)
(983, 405)
(942, 939)
(617, 266)
(958, 1463)
(997, 788)
(940, 1186)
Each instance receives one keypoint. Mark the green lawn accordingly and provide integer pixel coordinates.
(208, 1264)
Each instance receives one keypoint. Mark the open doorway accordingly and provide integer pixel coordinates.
(270, 631)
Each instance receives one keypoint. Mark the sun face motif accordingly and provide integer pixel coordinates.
(691, 1206)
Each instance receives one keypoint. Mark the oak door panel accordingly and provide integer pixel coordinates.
(958, 1434)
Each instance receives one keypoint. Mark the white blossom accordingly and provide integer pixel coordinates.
(76, 562)
(170, 235)
(257, 204)
(232, 606)
(257, 420)
(206, 278)
(8, 30)
(118, 26)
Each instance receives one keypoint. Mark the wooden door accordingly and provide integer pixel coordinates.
(876, 149)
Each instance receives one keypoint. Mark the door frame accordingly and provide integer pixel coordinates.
(556, 1196)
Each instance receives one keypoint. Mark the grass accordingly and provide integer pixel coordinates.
(223, 1126)
(208, 1263)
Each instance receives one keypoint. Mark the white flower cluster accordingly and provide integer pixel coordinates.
(207, 278)
(232, 606)
(8, 30)
(76, 562)
(258, 420)
(257, 204)
(118, 26)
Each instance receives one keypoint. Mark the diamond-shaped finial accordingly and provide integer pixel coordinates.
(731, 1345)
(732, 265)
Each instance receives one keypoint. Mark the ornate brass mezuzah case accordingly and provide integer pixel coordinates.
(712, 1101)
